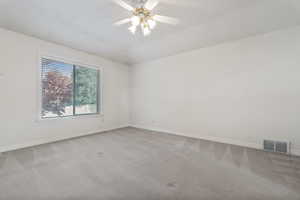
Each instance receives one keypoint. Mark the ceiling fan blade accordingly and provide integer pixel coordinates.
(165, 19)
(123, 21)
(188, 3)
(151, 4)
(124, 5)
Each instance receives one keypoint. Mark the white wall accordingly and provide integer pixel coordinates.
(240, 92)
(19, 126)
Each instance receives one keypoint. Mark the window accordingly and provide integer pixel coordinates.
(68, 90)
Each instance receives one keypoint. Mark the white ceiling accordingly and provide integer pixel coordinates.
(87, 24)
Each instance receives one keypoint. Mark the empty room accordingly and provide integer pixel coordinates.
(150, 100)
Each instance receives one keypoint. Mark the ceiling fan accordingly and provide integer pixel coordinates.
(142, 16)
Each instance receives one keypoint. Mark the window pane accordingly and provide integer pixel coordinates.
(86, 90)
(57, 89)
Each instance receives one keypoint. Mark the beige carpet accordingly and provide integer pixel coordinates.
(133, 164)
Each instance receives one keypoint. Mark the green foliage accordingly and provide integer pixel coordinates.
(86, 82)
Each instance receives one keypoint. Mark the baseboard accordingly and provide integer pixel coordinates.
(295, 151)
(210, 138)
(54, 139)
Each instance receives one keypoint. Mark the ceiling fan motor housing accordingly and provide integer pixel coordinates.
(142, 13)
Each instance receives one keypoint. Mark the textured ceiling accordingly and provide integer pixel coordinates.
(87, 24)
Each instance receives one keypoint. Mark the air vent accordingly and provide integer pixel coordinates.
(269, 145)
(275, 146)
(281, 147)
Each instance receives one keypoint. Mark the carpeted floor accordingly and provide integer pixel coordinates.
(133, 164)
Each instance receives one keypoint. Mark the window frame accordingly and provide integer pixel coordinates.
(74, 63)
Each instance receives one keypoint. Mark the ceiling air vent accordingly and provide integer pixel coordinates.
(275, 146)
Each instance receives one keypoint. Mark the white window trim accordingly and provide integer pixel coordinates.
(68, 61)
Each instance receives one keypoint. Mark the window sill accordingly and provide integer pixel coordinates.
(77, 117)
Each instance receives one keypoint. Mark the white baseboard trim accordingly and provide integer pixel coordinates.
(53, 139)
(210, 138)
(295, 151)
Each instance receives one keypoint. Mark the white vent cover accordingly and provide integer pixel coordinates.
(276, 146)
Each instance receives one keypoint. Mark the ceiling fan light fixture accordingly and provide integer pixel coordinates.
(132, 29)
(135, 20)
(146, 29)
(142, 16)
(151, 23)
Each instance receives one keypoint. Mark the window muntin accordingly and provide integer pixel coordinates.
(68, 90)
